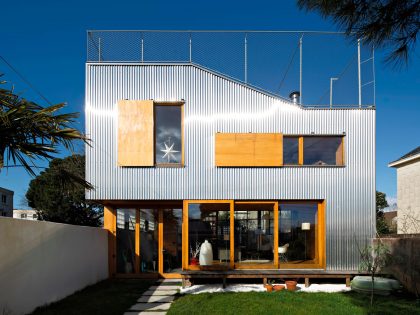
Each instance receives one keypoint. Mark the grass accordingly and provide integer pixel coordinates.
(112, 296)
(291, 303)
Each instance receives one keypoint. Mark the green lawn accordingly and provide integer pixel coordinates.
(111, 297)
(291, 303)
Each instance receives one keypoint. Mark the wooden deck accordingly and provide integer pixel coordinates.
(265, 274)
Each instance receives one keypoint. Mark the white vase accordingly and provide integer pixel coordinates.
(206, 254)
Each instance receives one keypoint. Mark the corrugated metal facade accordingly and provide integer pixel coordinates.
(217, 104)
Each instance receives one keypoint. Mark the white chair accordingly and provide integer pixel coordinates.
(282, 250)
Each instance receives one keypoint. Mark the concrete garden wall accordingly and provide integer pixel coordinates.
(406, 261)
(42, 262)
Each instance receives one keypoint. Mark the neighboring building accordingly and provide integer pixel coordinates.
(391, 218)
(27, 214)
(6, 202)
(181, 154)
(408, 191)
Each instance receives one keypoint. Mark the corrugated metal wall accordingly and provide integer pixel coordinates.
(216, 104)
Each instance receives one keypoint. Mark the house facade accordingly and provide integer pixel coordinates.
(408, 192)
(6, 202)
(26, 214)
(181, 155)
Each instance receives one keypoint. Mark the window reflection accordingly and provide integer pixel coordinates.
(290, 150)
(126, 225)
(297, 233)
(168, 134)
(322, 151)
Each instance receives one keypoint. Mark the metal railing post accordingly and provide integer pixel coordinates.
(246, 58)
(142, 48)
(99, 49)
(300, 69)
(190, 48)
(359, 73)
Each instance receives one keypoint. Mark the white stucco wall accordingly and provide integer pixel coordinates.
(408, 197)
(42, 262)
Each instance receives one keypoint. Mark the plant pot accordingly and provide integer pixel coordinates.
(278, 287)
(194, 261)
(268, 287)
(291, 285)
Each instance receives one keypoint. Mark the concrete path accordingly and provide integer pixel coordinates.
(157, 299)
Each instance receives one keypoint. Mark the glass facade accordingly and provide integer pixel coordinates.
(290, 150)
(211, 222)
(172, 240)
(149, 236)
(298, 224)
(254, 233)
(126, 225)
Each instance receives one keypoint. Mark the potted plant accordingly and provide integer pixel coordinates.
(269, 286)
(194, 254)
(291, 285)
(278, 287)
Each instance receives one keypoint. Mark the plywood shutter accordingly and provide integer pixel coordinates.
(249, 149)
(135, 133)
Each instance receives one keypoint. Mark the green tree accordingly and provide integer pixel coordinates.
(58, 199)
(381, 203)
(390, 24)
(29, 131)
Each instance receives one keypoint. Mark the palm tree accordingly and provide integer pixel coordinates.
(29, 131)
(390, 24)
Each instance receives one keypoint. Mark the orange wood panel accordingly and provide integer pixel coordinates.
(276, 234)
(248, 149)
(135, 133)
(185, 245)
(339, 155)
(137, 242)
(110, 224)
(300, 152)
(160, 241)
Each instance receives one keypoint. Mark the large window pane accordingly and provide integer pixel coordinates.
(126, 225)
(211, 222)
(168, 134)
(297, 233)
(254, 233)
(322, 151)
(149, 240)
(290, 150)
(172, 240)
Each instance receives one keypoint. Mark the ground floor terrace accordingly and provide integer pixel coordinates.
(163, 238)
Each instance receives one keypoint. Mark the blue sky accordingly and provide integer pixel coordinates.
(46, 42)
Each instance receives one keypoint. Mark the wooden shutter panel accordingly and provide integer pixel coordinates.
(135, 133)
(249, 149)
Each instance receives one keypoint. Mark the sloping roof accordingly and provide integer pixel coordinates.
(406, 157)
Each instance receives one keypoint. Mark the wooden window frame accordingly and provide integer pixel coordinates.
(301, 150)
(320, 238)
(168, 165)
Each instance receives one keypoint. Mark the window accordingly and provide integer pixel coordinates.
(34, 216)
(168, 134)
(326, 150)
(291, 150)
(3, 198)
(211, 222)
(126, 224)
(23, 216)
(298, 227)
(149, 240)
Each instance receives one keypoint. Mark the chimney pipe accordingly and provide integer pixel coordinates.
(295, 97)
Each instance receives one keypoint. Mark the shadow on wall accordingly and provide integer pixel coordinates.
(47, 261)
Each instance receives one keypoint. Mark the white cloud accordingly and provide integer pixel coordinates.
(392, 202)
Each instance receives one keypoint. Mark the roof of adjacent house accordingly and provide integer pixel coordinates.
(413, 154)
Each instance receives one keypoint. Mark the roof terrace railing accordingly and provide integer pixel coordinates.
(326, 67)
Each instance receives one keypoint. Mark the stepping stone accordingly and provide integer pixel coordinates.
(163, 287)
(144, 313)
(155, 299)
(150, 307)
(169, 281)
(161, 292)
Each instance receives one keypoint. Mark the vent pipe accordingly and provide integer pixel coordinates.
(295, 97)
